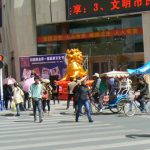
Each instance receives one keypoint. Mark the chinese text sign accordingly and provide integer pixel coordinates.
(43, 65)
(78, 9)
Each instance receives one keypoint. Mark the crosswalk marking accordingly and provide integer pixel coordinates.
(52, 143)
(65, 129)
(60, 131)
(57, 137)
(110, 146)
(44, 131)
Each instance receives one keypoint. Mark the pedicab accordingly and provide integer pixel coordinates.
(133, 105)
(115, 103)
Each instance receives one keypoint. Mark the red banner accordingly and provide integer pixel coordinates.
(90, 35)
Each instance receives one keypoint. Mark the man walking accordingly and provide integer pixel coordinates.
(35, 93)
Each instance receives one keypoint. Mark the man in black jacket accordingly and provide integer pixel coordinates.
(142, 87)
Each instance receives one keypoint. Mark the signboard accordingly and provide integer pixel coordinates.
(43, 65)
(78, 9)
(90, 35)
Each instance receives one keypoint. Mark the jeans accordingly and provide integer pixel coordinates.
(55, 97)
(44, 104)
(18, 109)
(142, 103)
(37, 104)
(70, 96)
(27, 100)
(86, 104)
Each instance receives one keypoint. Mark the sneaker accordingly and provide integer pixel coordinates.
(17, 114)
(101, 110)
(41, 120)
(91, 120)
(77, 120)
(143, 111)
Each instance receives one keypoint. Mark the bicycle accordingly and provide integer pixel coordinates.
(131, 107)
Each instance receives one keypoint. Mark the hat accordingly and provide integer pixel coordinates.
(96, 75)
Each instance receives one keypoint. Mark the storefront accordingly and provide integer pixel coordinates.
(114, 42)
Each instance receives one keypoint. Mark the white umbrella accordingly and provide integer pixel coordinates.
(116, 74)
(46, 80)
(9, 81)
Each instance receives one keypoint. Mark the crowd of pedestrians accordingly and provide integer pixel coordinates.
(40, 93)
(36, 97)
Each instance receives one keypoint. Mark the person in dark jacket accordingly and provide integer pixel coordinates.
(84, 96)
(55, 92)
(142, 87)
(8, 93)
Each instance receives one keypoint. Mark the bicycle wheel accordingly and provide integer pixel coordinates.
(147, 107)
(121, 105)
(129, 109)
(114, 109)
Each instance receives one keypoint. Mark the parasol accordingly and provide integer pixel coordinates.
(46, 80)
(27, 83)
(116, 74)
(9, 81)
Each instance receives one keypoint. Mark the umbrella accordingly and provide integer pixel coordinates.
(46, 80)
(9, 81)
(116, 74)
(27, 83)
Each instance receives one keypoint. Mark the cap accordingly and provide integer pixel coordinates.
(96, 75)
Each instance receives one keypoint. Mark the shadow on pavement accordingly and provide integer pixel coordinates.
(67, 113)
(107, 113)
(66, 121)
(8, 115)
(30, 121)
(94, 114)
(134, 136)
(60, 109)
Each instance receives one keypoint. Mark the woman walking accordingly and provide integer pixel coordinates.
(47, 95)
(17, 97)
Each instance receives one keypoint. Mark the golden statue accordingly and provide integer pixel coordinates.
(74, 68)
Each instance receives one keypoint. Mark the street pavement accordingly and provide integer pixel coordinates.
(59, 131)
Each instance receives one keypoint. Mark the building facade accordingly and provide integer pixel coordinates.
(111, 40)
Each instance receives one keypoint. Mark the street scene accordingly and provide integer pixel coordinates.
(74, 74)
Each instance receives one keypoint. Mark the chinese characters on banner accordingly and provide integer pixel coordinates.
(43, 65)
(90, 35)
(77, 9)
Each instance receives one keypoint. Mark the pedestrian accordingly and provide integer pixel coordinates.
(71, 86)
(103, 88)
(49, 90)
(46, 97)
(8, 93)
(95, 86)
(17, 97)
(55, 92)
(35, 92)
(84, 97)
(142, 87)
